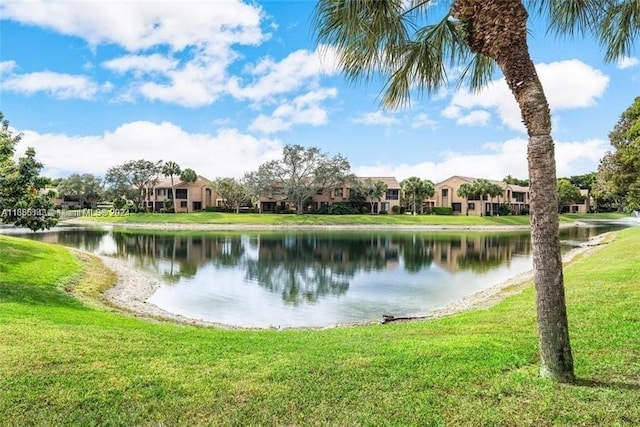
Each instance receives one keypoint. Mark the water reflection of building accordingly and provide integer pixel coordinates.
(479, 253)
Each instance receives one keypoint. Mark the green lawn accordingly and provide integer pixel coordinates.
(64, 362)
(297, 220)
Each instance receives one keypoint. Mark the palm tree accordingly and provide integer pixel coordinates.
(465, 190)
(188, 175)
(171, 169)
(377, 190)
(399, 40)
(411, 190)
(427, 190)
(494, 190)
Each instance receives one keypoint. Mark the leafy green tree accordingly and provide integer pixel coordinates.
(132, 179)
(171, 169)
(412, 48)
(585, 182)
(85, 187)
(233, 193)
(568, 194)
(618, 177)
(515, 181)
(373, 189)
(301, 173)
(23, 201)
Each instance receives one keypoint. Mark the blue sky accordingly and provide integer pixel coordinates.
(221, 86)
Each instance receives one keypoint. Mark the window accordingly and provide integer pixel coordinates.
(445, 192)
(183, 204)
(161, 192)
(338, 192)
(181, 193)
(472, 206)
(392, 194)
(457, 207)
(319, 191)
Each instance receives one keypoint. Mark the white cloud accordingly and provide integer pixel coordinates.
(376, 118)
(7, 66)
(495, 161)
(203, 32)
(139, 25)
(423, 120)
(227, 153)
(627, 62)
(475, 118)
(304, 109)
(141, 64)
(297, 70)
(567, 84)
(58, 85)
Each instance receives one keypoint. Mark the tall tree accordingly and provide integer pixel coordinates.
(567, 194)
(465, 190)
(188, 176)
(85, 187)
(232, 191)
(416, 191)
(399, 40)
(23, 201)
(171, 169)
(374, 189)
(133, 178)
(618, 178)
(515, 181)
(301, 173)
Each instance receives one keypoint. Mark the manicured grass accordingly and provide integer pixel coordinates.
(312, 220)
(63, 362)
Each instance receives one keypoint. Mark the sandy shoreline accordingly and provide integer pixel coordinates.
(134, 287)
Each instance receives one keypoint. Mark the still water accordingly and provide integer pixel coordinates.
(285, 279)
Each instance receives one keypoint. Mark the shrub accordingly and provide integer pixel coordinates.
(215, 209)
(440, 210)
(395, 209)
(504, 210)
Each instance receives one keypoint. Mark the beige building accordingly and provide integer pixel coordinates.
(514, 196)
(325, 198)
(189, 196)
(583, 206)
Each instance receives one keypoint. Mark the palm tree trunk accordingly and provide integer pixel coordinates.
(497, 29)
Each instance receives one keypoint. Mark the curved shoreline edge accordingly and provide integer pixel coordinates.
(134, 287)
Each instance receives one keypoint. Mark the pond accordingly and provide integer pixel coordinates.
(294, 279)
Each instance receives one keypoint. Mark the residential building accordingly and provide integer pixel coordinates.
(583, 206)
(324, 198)
(516, 197)
(189, 196)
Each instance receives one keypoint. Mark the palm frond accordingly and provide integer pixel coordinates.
(571, 17)
(620, 27)
(421, 64)
(477, 73)
(365, 32)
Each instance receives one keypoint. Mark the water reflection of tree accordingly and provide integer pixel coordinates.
(304, 268)
(184, 254)
(417, 252)
(88, 240)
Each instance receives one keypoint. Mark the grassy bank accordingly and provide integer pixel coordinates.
(302, 220)
(63, 362)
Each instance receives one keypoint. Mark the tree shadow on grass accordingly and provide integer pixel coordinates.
(50, 296)
(585, 382)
